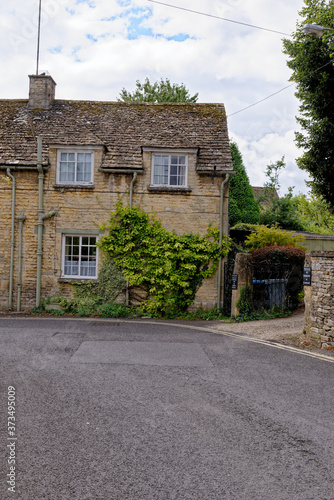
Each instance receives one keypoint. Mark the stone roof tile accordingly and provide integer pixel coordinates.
(122, 128)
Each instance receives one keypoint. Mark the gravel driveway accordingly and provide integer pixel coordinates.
(275, 329)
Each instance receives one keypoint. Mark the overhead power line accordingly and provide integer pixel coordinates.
(258, 102)
(278, 91)
(218, 17)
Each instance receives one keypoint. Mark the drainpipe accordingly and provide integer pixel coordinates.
(131, 188)
(41, 217)
(40, 220)
(10, 301)
(130, 205)
(21, 218)
(221, 238)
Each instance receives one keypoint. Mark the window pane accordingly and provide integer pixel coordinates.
(80, 256)
(169, 170)
(63, 172)
(75, 167)
(92, 252)
(182, 175)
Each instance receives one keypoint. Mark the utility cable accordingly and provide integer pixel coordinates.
(218, 17)
(278, 91)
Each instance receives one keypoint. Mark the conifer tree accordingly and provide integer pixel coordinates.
(242, 204)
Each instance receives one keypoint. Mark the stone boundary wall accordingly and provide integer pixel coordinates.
(319, 299)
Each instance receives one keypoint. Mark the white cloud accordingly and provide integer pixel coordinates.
(87, 47)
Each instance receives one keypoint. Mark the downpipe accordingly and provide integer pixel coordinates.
(21, 218)
(12, 242)
(130, 205)
(221, 239)
(41, 217)
(131, 188)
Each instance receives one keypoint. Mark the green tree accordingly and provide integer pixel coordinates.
(284, 210)
(311, 59)
(314, 212)
(163, 91)
(272, 186)
(242, 204)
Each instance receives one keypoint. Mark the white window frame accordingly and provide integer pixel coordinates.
(81, 275)
(76, 152)
(169, 154)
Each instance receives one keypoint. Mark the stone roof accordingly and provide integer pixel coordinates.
(260, 192)
(122, 129)
(315, 236)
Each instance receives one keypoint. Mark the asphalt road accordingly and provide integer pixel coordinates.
(144, 410)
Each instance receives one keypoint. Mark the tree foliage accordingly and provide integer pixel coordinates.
(170, 267)
(311, 59)
(242, 204)
(315, 214)
(284, 210)
(163, 91)
(265, 236)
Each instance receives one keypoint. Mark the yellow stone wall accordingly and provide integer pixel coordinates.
(85, 209)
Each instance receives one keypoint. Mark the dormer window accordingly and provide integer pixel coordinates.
(75, 167)
(169, 170)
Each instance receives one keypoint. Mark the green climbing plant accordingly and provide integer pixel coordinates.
(171, 268)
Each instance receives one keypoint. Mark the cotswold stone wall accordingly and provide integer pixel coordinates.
(83, 208)
(319, 299)
(240, 268)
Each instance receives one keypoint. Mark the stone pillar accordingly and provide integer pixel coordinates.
(319, 299)
(240, 268)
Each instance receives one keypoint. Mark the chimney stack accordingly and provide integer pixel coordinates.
(41, 91)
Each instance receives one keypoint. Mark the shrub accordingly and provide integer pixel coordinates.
(110, 310)
(245, 303)
(264, 257)
(265, 236)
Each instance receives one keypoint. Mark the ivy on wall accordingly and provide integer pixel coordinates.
(110, 284)
(170, 267)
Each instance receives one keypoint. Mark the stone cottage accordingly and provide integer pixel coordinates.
(64, 164)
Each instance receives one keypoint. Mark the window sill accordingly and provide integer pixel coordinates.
(71, 187)
(76, 280)
(169, 189)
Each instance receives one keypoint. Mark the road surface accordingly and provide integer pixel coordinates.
(153, 410)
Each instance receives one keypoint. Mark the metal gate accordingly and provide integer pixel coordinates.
(228, 271)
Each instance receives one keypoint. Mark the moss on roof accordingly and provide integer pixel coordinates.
(123, 128)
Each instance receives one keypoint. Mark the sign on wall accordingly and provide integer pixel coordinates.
(307, 276)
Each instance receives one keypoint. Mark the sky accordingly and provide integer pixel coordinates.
(94, 48)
